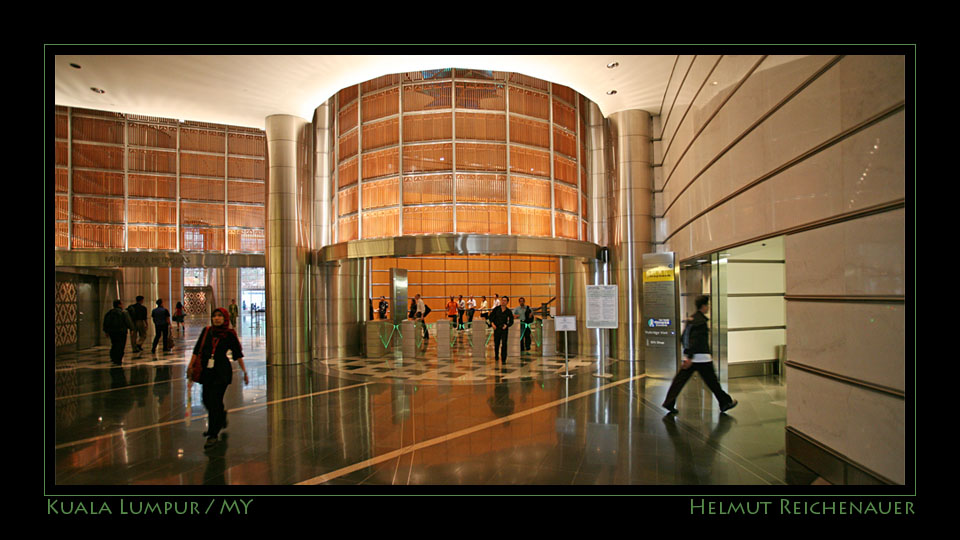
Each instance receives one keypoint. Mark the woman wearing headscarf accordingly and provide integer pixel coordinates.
(217, 374)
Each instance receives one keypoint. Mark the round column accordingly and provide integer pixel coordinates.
(632, 220)
(287, 249)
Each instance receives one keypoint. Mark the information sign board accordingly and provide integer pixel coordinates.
(566, 323)
(602, 308)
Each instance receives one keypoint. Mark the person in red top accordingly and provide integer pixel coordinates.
(452, 307)
(211, 349)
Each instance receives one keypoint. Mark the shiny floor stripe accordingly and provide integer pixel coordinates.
(444, 438)
(201, 416)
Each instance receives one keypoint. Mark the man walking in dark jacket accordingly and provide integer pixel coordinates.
(116, 324)
(696, 357)
(161, 324)
(138, 314)
(501, 318)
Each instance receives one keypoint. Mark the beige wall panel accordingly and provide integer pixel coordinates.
(864, 256)
(765, 88)
(695, 79)
(863, 425)
(812, 190)
(862, 341)
(721, 83)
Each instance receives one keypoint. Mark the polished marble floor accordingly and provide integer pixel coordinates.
(423, 421)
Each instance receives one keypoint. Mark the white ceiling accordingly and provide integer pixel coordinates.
(242, 90)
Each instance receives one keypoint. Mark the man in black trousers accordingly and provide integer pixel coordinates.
(502, 319)
(116, 324)
(696, 357)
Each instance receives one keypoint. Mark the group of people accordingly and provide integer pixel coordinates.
(210, 350)
(118, 322)
(133, 320)
(461, 312)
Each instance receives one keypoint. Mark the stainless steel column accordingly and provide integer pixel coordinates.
(289, 144)
(632, 216)
(598, 176)
(323, 219)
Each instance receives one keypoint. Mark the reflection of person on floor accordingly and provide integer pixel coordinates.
(502, 319)
(697, 467)
(500, 402)
(696, 358)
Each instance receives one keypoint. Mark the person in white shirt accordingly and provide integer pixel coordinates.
(471, 308)
(420, 305)
(485, 310)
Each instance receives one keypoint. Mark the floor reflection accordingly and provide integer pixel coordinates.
(140, 424)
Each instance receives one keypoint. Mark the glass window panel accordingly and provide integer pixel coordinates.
(529, 161)
(381, 223)
(428, 189)
(157, 136)
(529, 103)
(479, 96)
(423, 97)
(98, 157)
(347, 201)
(486, 127)
(428, 158)
(248, 144)
(380, 134)
(97, 130)
(380, 105)
(199, 164)
(481, 188)
(381, 193)
(97, 183)
(382, 163)
(203, 140)
(531, 132)
(530, 192)
(251, 169)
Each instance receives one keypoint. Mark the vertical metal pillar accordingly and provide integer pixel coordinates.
(632, 236)
(287, 253)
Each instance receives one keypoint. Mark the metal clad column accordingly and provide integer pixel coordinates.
(287, 250)
(324, 163)
(632, 218)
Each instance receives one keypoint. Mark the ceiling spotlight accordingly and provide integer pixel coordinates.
(98, 90)
(714, 83)
(612, 65)
(77, 66)
(611, 92)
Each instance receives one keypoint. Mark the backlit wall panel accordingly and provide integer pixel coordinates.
(458, 151)
(142, 183)
(437, 278)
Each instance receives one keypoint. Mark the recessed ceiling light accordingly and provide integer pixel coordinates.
(75, 65)
(611, 92)
(98, 90)
(612, 65)
(715, 83)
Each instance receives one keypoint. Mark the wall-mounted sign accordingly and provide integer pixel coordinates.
(602, 308)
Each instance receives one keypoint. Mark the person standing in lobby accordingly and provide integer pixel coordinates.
(217, 374)
(502, 319)
(116, 324)
(696, 357)
(161, 324)
(138, 314)
(234, 310)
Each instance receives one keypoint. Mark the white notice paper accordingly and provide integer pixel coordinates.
(602, 309)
